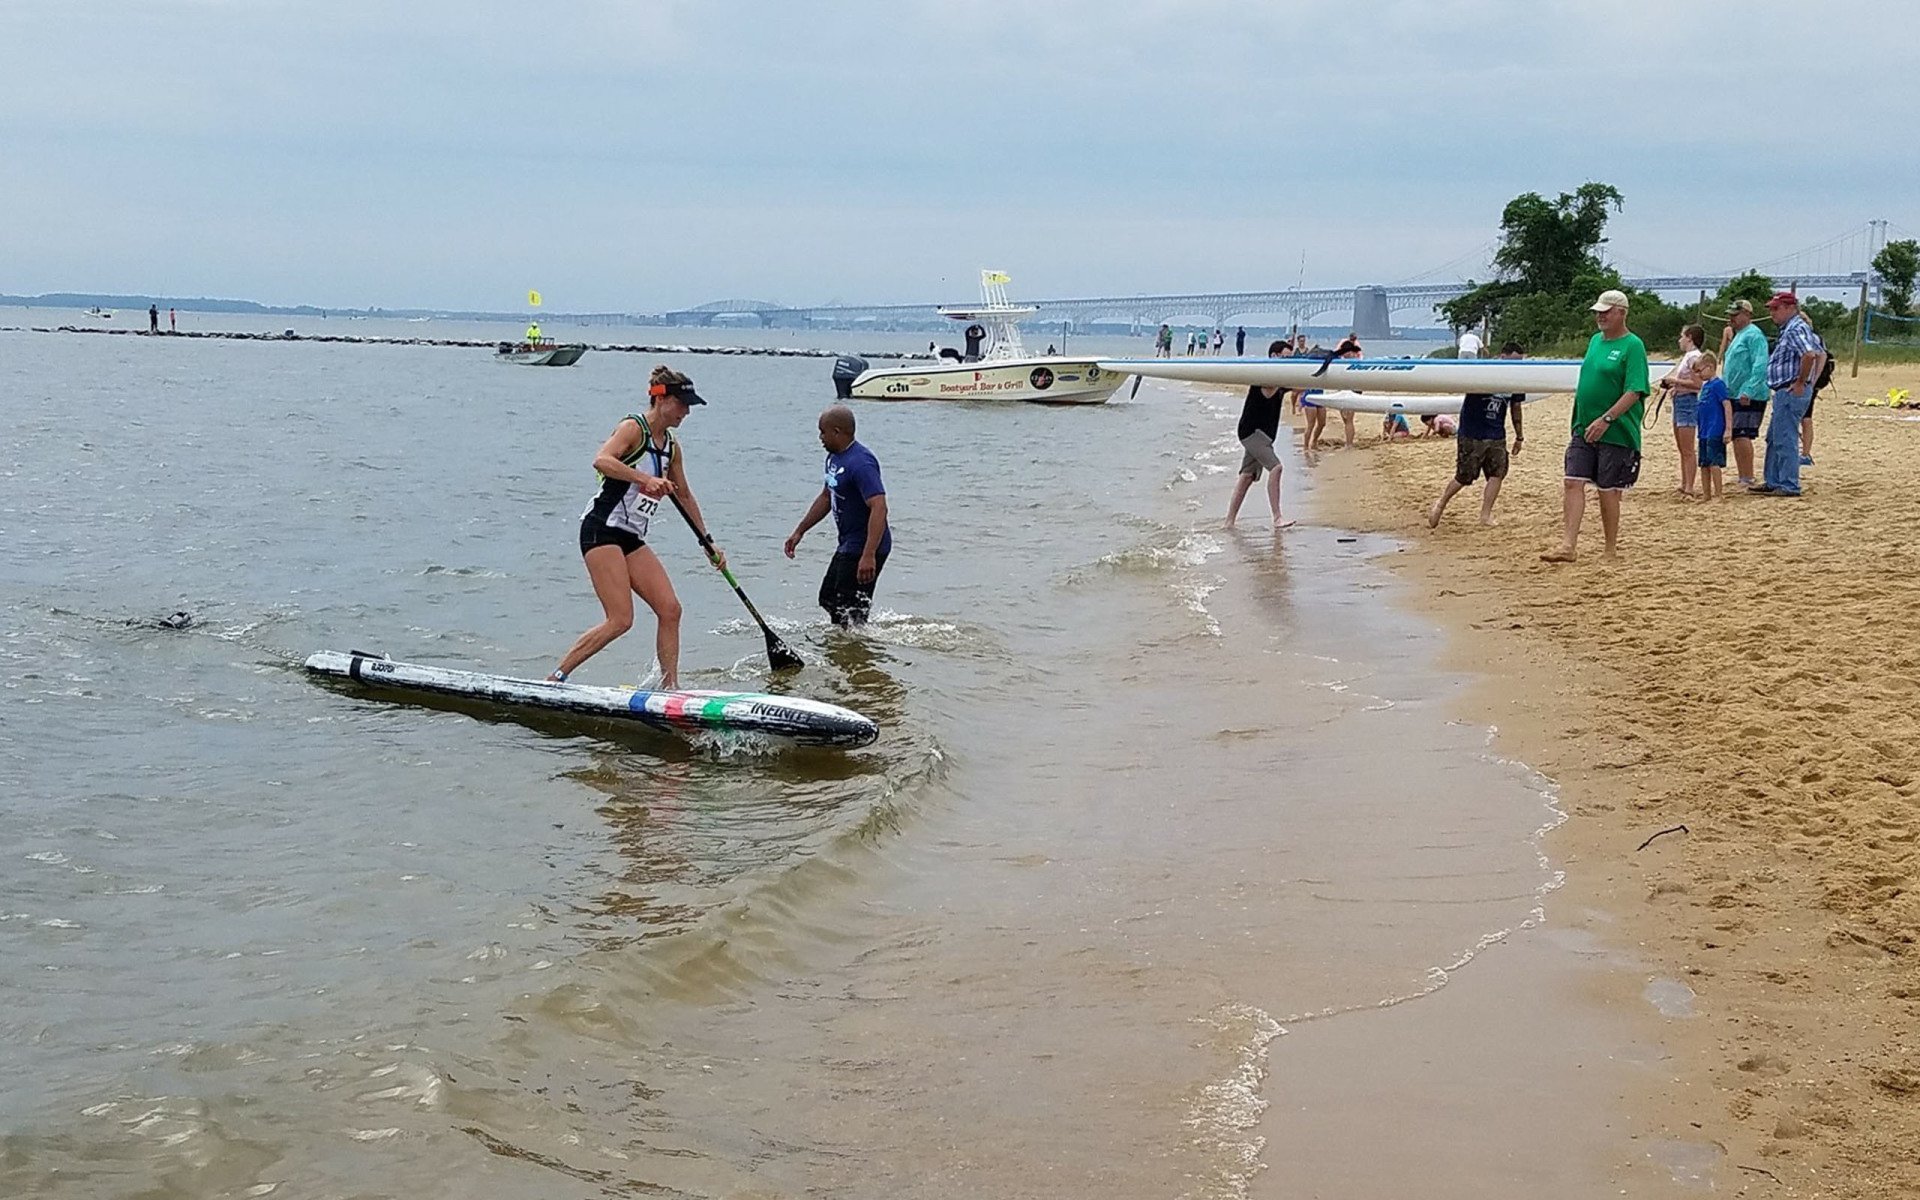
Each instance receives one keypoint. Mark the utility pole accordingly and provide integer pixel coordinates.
(1859, 330)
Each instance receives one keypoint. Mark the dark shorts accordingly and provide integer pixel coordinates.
(1609, 466)
(1474, 457)
(846, 599)
(598, 533)
(1746, 421)
(1713, 452)
(1810, 400)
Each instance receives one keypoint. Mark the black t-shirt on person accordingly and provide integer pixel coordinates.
(1485, 416)
(1261, 412)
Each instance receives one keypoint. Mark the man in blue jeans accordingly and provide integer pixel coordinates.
(1790, 371)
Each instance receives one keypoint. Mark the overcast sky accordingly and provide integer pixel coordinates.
(636, 155)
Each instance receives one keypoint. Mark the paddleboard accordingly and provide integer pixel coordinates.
(1431, 375)
(805, 722)
(1387, 402)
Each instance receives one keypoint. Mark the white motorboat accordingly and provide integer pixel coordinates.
(994, 366)
(542, 354)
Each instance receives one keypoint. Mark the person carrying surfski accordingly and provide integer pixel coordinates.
(640, 464)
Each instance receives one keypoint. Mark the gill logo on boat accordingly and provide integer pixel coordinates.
(896, 388)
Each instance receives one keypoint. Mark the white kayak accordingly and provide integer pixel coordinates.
(1384, 403)
(806, 722)
(1455, 376)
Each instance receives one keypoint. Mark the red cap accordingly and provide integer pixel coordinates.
(1783, 298)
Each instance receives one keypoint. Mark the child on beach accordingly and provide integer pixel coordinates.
(1715, 418)
(1393, 427)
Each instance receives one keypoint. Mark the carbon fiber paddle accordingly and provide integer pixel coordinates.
(779, 655)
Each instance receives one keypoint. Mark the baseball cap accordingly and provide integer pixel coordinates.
(1741, 306)
(1610, 299)
(1783, 298)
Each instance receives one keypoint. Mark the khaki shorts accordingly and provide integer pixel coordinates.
(1260, 454)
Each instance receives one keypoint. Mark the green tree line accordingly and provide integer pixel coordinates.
(1548, 270)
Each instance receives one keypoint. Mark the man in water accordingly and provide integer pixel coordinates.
(1482, 448)
(1163, 342)
(1240, 342)
(153, 318)
(1608, 406)
(854, 493)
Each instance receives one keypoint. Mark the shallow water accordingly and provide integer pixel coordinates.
(1149, 794)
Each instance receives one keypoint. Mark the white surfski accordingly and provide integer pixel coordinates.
(1420, 375)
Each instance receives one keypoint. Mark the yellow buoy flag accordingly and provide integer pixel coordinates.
(533, 298)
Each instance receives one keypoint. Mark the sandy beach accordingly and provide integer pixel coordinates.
(1741, 669)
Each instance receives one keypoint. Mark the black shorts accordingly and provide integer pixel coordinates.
(599, 533)
(846, 599)
(1747, 421)
(1609, 466)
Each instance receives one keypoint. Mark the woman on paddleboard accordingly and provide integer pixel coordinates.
(639, 465)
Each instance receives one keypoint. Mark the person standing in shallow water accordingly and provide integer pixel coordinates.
(857, 497)
(639, 465)
(1608, 406)
(1259, 427)
(153, 318)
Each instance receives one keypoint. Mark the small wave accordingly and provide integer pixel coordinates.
(463, 572)
(1191, 550)
(1226, 1110)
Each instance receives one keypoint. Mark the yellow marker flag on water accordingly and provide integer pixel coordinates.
(533, 298)
(998, 277)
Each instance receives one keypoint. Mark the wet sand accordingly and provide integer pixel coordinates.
(1741, 668)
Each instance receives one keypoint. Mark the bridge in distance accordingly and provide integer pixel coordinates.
(1372, 307)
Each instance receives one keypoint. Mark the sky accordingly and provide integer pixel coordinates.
(642, 155)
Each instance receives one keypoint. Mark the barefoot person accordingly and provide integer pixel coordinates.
(639, 465)
(1682, 386)
(1608, 406)
(857, 498)
(1259, 426)
(1482, 446)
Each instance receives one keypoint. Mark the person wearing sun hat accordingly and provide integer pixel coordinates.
(1609, 404)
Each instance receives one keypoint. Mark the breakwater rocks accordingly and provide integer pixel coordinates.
(464, 343)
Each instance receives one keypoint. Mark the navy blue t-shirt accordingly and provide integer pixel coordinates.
(1485, 416)
(853, 478)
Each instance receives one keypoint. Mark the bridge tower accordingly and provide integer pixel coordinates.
(1371, 316)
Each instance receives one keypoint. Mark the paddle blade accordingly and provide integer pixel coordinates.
(1136, 386)
(779, 656)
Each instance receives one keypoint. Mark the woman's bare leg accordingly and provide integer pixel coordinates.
(650, 583)
(608, 573)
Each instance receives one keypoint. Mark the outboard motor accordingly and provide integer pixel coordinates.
(846, 369)
(975, 336)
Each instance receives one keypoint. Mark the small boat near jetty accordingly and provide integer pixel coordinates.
(540, 354)
(994, 366)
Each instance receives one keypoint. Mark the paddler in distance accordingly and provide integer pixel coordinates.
(640, 464)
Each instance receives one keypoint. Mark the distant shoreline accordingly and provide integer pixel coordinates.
(462, 343)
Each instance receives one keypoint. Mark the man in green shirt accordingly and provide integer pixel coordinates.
(1608, 406)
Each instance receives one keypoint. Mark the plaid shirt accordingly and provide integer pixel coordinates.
(1798, 338)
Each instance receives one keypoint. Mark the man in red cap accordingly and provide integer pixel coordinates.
(1790, 370)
